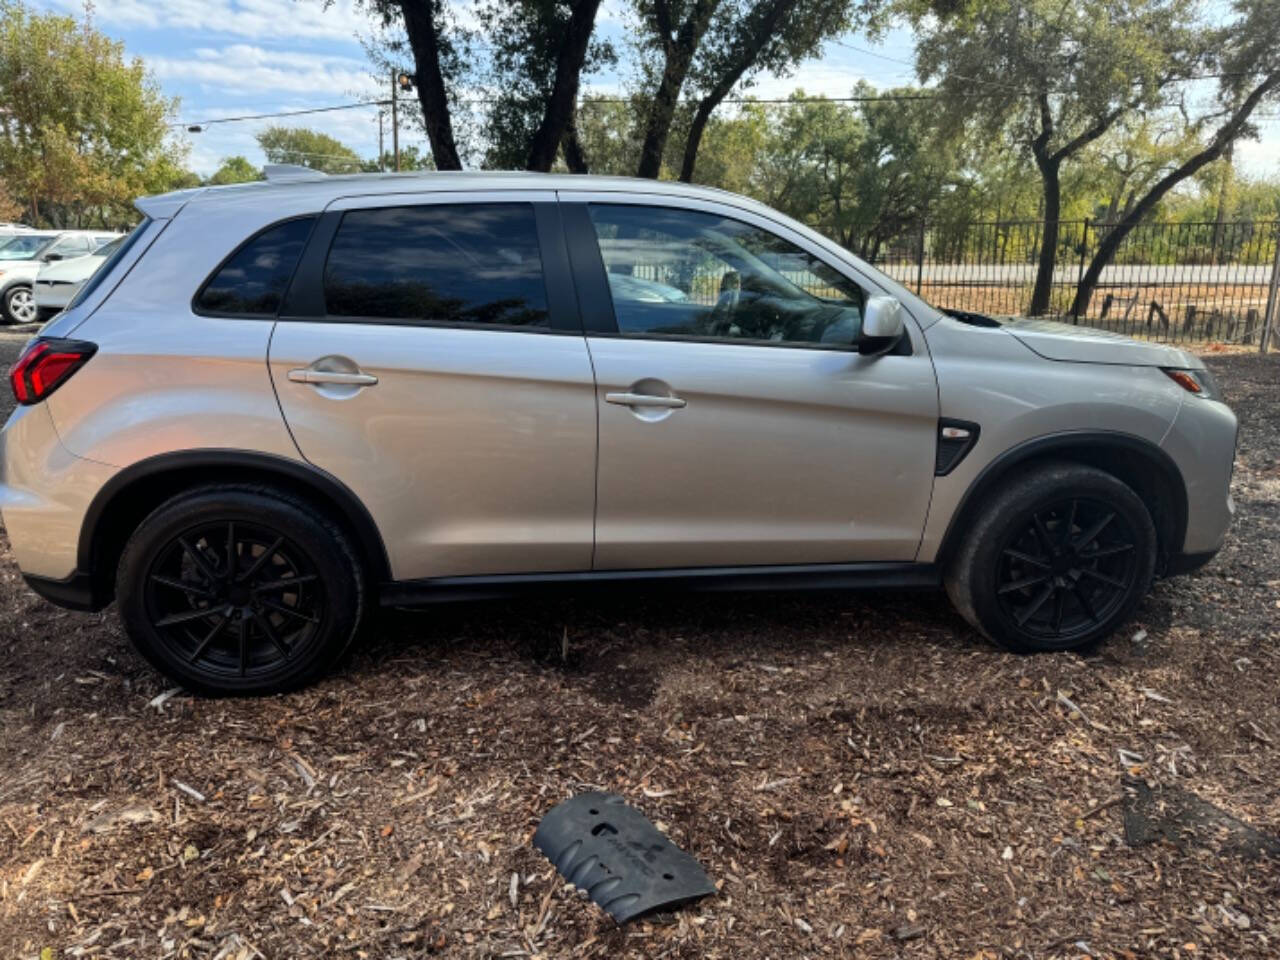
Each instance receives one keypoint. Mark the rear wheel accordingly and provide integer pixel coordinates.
(19, 305)
(239, 590)
(1057, 560)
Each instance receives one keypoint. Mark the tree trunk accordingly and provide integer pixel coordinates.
(423, 31)
(679, 56)
(1049, 174)
(558, 115)
(574, 156)
(1225, 136)
(696, 129)
(765, 30)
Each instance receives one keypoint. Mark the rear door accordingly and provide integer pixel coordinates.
(430, 356)
(739, 425)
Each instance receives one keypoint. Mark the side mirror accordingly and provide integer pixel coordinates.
(882, 325)
(50, 257)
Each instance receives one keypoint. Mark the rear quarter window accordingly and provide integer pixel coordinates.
(252, 281)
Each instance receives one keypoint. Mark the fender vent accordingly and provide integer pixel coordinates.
(955, 439)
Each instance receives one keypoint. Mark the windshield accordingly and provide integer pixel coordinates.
(25, 246)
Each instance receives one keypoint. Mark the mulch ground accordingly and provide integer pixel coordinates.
(862, 776)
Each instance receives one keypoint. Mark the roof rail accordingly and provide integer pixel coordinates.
(281, 172)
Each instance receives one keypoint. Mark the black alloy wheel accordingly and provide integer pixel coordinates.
(1056, 559)
(239, 589)
(236, 599)
(1066, 569)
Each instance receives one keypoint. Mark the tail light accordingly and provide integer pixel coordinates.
(45, 365)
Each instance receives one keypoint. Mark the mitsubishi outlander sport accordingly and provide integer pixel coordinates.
(280, 403)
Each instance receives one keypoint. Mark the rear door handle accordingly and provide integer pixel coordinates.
(644, 400)
(307, 375)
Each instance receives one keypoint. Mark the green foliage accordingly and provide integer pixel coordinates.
(411, 158)
(83, 131)
(308, 148)
(234, 170)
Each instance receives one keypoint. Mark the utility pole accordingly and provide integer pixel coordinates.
(395, 120)
(382, 157)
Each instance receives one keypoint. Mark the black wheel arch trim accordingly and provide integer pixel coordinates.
(318, 481)
(1067, 441)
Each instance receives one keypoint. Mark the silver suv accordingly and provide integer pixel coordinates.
(280, 403)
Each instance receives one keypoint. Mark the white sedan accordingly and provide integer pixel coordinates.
(58, 282)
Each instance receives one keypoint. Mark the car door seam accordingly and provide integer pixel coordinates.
(275, 392)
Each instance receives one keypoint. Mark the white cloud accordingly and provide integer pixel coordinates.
(247, 69)
(257, 19)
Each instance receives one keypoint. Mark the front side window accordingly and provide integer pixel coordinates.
(253, 281)
(455, 263)
(682, 273)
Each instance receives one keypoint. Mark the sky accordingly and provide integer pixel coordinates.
(227, 58)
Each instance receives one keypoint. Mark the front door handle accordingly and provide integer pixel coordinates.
(644, 400)
(309, 375)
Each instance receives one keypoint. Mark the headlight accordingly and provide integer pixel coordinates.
(1199, 382)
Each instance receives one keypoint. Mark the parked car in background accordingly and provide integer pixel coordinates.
(22, 244)
(280, 403)
(22, 257)
(57, 283)
(7, 228)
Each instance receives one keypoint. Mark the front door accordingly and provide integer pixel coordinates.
(430, 357)
(738, 424)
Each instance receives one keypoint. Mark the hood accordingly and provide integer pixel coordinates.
(1067, 342)
(70, 271)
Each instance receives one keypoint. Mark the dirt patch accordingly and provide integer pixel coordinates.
(861, 775)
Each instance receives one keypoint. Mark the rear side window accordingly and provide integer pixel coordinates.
(114, 256)
(456, 264)
(253, 281)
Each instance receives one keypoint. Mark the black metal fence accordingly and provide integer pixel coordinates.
(1177, 282)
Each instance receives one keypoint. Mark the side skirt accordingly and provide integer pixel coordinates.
(824, 576)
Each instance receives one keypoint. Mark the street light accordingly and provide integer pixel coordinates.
(195, 128)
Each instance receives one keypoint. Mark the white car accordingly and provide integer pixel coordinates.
(22, 257)
(57, 283)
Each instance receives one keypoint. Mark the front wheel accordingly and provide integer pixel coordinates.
(239, 590)
(19, 305)
(1056, 561)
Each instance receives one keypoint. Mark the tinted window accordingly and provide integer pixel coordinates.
(474, 263)
(682, 273)
(253, 281)
(122, 246)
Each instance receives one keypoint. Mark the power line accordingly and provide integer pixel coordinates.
(588, 99)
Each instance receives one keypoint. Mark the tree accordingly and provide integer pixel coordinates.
(1246, 55)
(747, 38)
(674, 28)
(307, 148)
(607, 135)
(234, 170)
(10, 209)
(83, 131)
(1056, 76)
(411, 158)
(540, 49)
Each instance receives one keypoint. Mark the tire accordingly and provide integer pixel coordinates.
(19, 307)
(277, 620)
(1056, 560)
